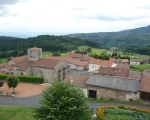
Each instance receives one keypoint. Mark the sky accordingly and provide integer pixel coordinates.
(73, 16)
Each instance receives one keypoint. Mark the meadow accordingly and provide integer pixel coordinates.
(16, 113)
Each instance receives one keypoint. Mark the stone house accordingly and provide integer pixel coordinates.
(6, 69)
(146, 60)
(79, 81)
(145, 86)
(76, 64)
(135, 61)
(95, 64)
(112, 87)
(35, 65)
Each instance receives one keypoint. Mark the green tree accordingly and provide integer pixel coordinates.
(56, 54)
(89, 49)
(62, 101)
(12, 82)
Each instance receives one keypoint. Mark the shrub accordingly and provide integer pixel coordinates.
(27, 79)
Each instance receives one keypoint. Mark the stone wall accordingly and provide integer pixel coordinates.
(16, 71)
(48, 74)
(106, 93)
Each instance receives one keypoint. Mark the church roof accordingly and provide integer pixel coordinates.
(20, 58)
(46, 63)
(78, 62)
(42, 62)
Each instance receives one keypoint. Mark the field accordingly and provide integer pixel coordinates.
(16, 113)
(45, 53)
(99, 51)
(4, 60)
(140, 67)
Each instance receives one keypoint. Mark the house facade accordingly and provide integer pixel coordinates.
(135, 61)
(76, 64)
(95, 64)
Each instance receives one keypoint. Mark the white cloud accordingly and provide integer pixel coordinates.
(74, 16)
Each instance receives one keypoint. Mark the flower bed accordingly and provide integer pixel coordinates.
(136, 113)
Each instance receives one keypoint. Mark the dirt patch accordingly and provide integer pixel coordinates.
(24, 89)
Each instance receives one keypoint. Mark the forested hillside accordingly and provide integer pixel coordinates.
(133, 40)
(16, 46)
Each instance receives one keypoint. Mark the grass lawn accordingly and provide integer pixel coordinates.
(95, 50)
(47, 53)
(140, 67)
(50, 54)
(118, 117)
(3, 60)
(16, 113)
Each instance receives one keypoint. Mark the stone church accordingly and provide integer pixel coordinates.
(35, 65)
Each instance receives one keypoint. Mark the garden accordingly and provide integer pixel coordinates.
(122, 113)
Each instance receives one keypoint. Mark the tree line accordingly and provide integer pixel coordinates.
(11, 47)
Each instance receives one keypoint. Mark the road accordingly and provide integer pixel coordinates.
(33, 101)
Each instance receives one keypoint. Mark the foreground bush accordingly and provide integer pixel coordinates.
(63, 101)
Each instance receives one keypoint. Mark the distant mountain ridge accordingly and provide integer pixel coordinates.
(122, 40)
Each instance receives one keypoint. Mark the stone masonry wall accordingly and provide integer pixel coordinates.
(107, 94)
(43, 72)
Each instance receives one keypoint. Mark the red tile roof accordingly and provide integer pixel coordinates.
(24, 64)
(3, 72)
(124, 60)
(35, 48)
(58, 58)
(78, 80)
(78, 62)
(95, 61)
(9, 67)
(3, 65)
(112, 59)
(46, 63)
(107, 63)
(123, 65)
(113, 71)
(85, 58)
(145, 84)
(18, 59)
(74, 55)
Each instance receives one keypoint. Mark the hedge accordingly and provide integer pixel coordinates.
(27, 79)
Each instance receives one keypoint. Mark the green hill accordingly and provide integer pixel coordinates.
(11, 46)
(133, 40)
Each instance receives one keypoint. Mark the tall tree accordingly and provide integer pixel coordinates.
(62, 101)
(12, 82)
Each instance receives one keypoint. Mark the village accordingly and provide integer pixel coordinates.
(101, 79)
